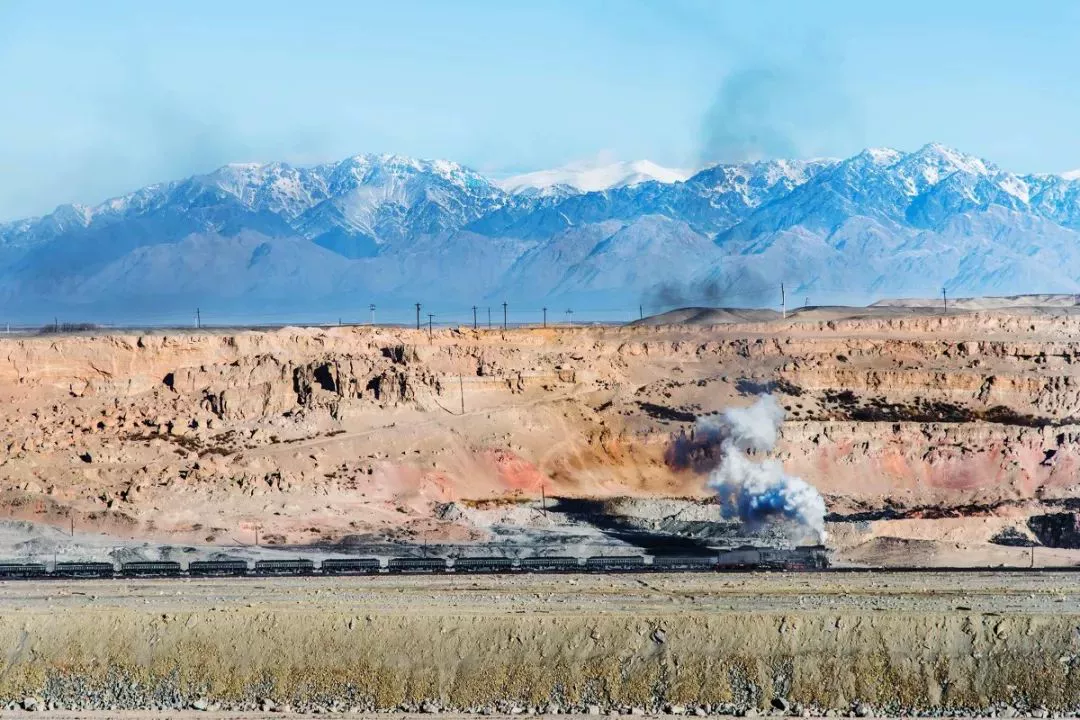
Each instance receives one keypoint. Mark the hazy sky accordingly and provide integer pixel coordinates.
(102, 97)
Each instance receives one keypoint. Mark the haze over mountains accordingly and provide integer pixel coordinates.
(254, 240)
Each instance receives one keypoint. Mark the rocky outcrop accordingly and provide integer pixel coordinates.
(896, 413)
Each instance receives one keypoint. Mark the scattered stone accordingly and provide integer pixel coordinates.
(700, 711)
(675, 710)
(201, 704)
(553, 709)
(30, 704)
(751, 712)
(593, 709)
(659, 636)
(429, 708)
(267, 705)
(781, 704)
(863, 710)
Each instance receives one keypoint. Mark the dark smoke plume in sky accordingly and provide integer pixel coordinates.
(766, 110)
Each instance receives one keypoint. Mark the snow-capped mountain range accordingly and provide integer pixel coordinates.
(258, 239)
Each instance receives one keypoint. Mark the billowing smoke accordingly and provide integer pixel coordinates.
(780, 108)
(758, 491)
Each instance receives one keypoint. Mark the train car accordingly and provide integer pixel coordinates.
(483, 565)
(284, 567)
(615, 563)
(18, 571)
(350, 566)
(409, 565)
(674, 563)
(746, 556)
(217, 568)
(551, 564)
(144, 569)
(83, 570)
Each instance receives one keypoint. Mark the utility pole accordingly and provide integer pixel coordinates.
(473, 317)
(641, 312)
(545, 317)
(430, 316)
(372, 309)
(461, 388)
(945, 301)
(198, 319)
(543, 499)
(504, 315)
(570, 317)
(783, 303)
(56, 324)
(72, 526)
(489, 317)
(417, 316)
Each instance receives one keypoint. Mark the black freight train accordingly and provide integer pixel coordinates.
(747, 558)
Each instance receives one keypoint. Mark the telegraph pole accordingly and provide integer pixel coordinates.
(372, 309)
(461, 389)
(504, 315)
(641, 312)
(430, 316)
(545, 317)
(489, 317)
(198, 319)
(783, 303)
(417, 316)
(945, 301)
(570, 317)
(473, 317)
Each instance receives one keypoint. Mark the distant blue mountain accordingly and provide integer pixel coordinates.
(262, 239)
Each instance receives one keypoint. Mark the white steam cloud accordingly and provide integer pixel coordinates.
(758, 491)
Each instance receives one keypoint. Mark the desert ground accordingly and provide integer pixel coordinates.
(697, 644)
(935, 439)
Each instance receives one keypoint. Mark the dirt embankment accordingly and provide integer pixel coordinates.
(323, 434)
(912, 643)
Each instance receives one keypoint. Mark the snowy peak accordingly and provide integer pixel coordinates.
(593, 177)
(932, 163)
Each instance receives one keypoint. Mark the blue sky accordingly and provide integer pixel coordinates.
(103, 97)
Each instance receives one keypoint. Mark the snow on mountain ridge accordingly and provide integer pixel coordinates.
(587, 177)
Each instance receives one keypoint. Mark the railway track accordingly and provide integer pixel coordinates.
(812, 559)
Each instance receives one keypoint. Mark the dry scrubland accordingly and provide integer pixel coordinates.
(724, 644)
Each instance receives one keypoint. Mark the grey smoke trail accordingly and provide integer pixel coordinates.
(784, 108)
(759, 491)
